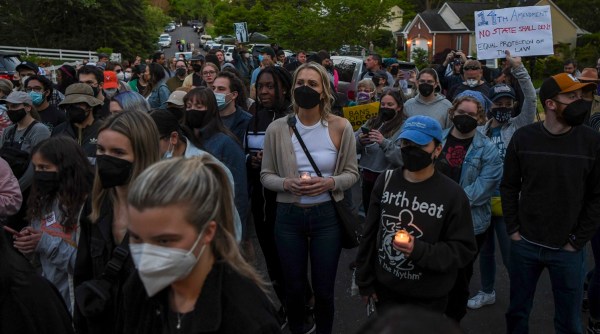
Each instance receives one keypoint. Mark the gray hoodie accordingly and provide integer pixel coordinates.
(437, 109)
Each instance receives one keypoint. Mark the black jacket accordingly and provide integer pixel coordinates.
(95, 250)
(228, 303)
(87, 137)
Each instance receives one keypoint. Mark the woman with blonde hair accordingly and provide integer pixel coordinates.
(127, 144)
(209, 74)
(306, 222)
(190, 272)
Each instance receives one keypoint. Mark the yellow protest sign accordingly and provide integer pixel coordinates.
(358, 115)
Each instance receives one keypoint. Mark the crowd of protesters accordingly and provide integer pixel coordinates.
(130, 193)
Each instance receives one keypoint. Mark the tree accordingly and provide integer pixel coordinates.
(129, 27)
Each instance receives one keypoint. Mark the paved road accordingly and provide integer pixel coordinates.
(184, 32)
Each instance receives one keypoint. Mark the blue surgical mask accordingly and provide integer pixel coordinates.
(260, 58)
(37, 98)
(221, 101)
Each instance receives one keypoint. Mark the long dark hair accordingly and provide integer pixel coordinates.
(207, 98)
(75, 174)
(157, 74)
(283, 93)
(390, 127)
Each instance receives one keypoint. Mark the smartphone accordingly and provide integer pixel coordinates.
(365, 130)
(10, 230)
(371, 310)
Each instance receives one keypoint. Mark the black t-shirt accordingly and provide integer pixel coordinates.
(453, 155)
(52, 117)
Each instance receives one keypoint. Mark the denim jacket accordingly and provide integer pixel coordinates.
(481, 172)
(159, 96)
(528, 110)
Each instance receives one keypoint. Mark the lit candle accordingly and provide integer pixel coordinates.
(305, 175)
(401, 238)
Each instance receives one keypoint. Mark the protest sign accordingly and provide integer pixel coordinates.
(241, 32)
(524, 31)
(358, 115)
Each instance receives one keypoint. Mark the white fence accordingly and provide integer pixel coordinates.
(58, 53)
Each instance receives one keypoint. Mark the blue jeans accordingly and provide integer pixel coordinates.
(527, 262)
(594, 287)
(487, 258)
(300, 232)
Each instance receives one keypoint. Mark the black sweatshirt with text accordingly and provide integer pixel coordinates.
(436, 212)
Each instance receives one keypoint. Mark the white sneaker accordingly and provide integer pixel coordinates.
(481, 299)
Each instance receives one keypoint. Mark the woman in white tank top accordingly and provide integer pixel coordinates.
(306, 223)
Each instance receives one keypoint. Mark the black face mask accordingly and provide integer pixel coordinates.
(387, 114)
(180, 72)
(76, 114)
(415, 159)
(197, 67)
(464, 123)
(16, 83)
(17, 115)
(502, 114)
(196, 119)
(575, 112)
(95, 90)
(46, 182)
(394, 70)
(113, 171)
(306, 97)
(425, 89)
(177, 112)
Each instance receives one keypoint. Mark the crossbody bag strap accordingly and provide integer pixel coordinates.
(292, 123)
(25, 133)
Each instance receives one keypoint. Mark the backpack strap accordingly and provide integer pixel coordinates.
(25, 133)
(388, 176)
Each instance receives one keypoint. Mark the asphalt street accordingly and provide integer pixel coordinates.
(350, 311)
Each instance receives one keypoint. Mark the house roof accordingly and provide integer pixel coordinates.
(465, 10)
(434, 21)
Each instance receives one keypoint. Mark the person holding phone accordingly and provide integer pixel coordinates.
(62, 182)
(377, 142)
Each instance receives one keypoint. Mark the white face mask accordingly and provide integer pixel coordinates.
(159, 266)
(24, 78)
(472, 82)
(169, 153)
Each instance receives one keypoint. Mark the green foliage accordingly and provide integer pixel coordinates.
(106, 50)
(185, 10)
(82, 25)
(420, 58)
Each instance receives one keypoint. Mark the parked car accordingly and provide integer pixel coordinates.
(205, 39)
(352, 50)
(170, 28)
(8, 64)
(256, 48)
(193, 23)
(258, 37)
(164, 40)
(227, 39)
(289, 53)
(186, 55)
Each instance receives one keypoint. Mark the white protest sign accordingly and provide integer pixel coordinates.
(241, 32)
(524, 31)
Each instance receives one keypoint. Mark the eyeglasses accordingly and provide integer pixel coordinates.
(209, 73)
(469, 68)
(35, 89)
(118, 71)
(431, 82)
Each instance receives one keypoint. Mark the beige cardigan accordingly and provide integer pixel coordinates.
(279, 161)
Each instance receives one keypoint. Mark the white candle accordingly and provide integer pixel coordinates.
(305, 175)
(402, 238)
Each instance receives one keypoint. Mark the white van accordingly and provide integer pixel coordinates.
(205, 38)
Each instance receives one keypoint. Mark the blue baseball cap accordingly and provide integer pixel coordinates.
(421, 130)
